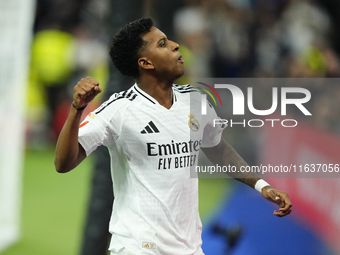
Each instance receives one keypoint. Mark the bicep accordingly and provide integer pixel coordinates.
(81, 155)
(224, 154)
(215, 153)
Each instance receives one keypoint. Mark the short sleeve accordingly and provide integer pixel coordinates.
(213, 129)
(93, 132)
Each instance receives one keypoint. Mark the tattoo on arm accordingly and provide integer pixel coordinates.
(224, 155)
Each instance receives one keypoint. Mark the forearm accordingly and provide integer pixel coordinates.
(68, 151)
(225, 155)
(68, 154)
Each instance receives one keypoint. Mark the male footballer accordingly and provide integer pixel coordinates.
(154, 132)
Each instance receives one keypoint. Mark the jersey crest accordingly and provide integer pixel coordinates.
(193, 123)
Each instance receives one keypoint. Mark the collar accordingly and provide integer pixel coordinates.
(150, 98)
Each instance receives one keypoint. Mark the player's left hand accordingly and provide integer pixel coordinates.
(280, 198)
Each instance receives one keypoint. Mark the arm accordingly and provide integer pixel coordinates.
(223, 154)
(69, 153)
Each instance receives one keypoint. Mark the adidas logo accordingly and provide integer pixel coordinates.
(149, 245)
(150, 128)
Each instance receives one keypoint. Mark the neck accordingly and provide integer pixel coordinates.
(159, 90)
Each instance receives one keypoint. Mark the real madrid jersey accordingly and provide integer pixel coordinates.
(152, 149)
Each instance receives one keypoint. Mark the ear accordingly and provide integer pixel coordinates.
(145, 63)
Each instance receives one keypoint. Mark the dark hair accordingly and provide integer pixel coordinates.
(126, 44)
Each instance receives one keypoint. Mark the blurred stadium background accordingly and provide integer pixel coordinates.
(48, 45)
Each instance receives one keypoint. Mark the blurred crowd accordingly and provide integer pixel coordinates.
(218, 38)
(264, 38)
(69, 43)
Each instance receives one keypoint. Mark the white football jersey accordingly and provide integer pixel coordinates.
(152, 149)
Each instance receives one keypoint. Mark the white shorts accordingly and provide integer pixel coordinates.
(126, 252)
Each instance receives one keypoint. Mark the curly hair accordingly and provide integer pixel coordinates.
(126, 44)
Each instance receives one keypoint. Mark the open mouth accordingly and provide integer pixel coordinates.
(180, 59)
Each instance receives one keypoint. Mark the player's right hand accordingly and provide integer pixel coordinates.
(85, 91)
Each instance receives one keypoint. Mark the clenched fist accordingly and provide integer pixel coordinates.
(85, 91)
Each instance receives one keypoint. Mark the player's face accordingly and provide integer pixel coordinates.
(163, 55)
